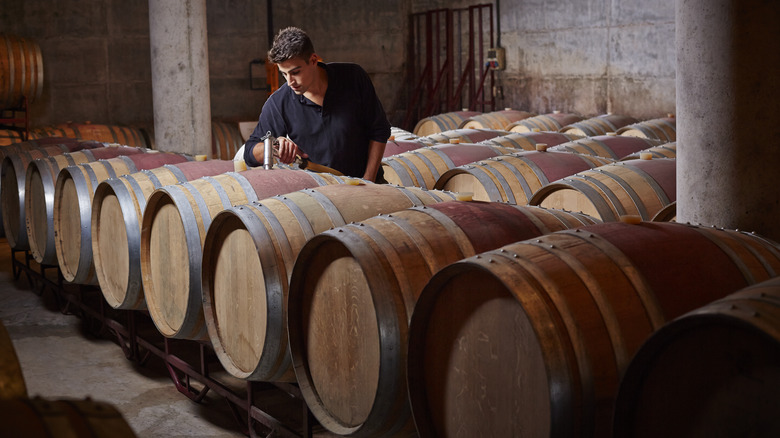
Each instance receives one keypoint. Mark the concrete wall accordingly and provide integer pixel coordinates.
(97, 58)
(588, 57)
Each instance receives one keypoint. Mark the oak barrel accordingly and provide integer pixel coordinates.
(37, 208)
(27, 151)
(664, 128)
(442, 122)
(528, 140)
(495, 120)
(714, 371)
(544, 122)
(461, 135)
(72, 213)
(599, 125)
(61, 418)
(615, 147)
(117, 209)
(514, 178)
(10, 136)
(635, 187)
(665, 150)
(121, 135)
(21, 71)
(246, 315)
(226, 140)
(423, 167)
(173, 229)
(353, 290)
(542, 330)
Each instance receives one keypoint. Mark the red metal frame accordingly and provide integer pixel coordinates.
(438, 85)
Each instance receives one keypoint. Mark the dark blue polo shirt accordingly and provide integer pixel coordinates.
(335, 134)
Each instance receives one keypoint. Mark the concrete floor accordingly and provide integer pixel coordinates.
(60, 357)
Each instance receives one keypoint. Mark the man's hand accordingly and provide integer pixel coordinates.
(287, 150)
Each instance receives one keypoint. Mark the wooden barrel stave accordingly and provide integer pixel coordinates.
(424, 166)
(608, 146)
(585, 301)
(441, 122)
(266, 238)
(21, 71)
(726, 353)
(528, 140)
(174, 227)
(495, 120)
(664, 128)
(515, 178)
(636, 187)
(38, 194)
(382, 264)
(116, 226)
(599, 125)
(544, 122)
(72, 213)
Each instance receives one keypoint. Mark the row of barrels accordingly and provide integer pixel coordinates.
(662, 128)
(282, 296)
(226, 138)
(601, 176)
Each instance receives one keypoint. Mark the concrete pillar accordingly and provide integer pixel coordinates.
(728, 114)
(180, 76)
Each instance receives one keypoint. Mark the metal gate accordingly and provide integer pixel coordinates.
(446, 66)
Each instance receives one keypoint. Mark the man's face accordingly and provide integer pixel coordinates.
(299, 73)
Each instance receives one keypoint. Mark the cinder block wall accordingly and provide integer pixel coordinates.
(588, 57)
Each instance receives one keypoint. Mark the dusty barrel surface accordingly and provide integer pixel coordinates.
(21, 71)
(174, 227)
(713, 372)
(544, 122)
(665, 150)
(542, 330)
(61, 418)
(117, 209)
(664, 128)
(599, 125)
(72, 215)
(38, 211)
(496, 119)
(354, 288)
(442, 122)
(23, 153)
(246, 315)
(615, 147)
(516, 177)
(635, 187)
(424, 166)
(529, 140)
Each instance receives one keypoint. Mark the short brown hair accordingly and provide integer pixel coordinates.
(290, 43)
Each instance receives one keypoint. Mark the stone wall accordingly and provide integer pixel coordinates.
(587, 57)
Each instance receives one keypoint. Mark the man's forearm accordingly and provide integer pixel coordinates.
(375, 152)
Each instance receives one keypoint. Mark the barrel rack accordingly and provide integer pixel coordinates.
(192, 366)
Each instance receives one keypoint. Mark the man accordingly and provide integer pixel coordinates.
(328, 113)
